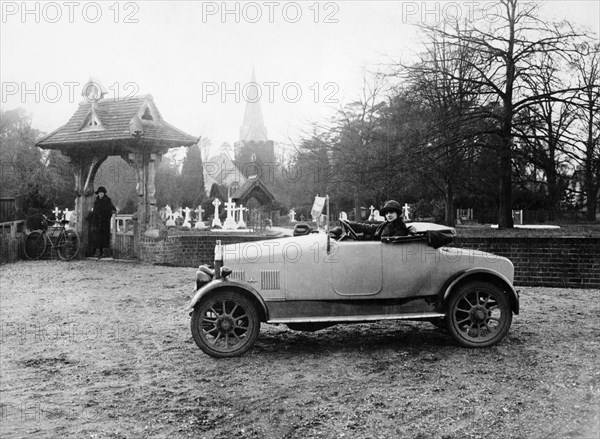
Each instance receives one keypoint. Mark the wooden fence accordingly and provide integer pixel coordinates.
(11, 241)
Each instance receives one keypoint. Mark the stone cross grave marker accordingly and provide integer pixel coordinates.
(199, 223)
(371, 215)
(292, 216)
(56, 213)
(241, 224)
(230, 223)
(216, 222)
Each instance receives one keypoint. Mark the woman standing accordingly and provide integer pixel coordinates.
(101, 216)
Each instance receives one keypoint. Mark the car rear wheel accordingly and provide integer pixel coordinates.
(478, 314)
(225, 324)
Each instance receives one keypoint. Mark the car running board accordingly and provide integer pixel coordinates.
(372, 318)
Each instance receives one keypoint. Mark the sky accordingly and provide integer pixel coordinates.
(196, 58)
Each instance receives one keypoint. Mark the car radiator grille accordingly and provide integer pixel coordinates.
(269, 280)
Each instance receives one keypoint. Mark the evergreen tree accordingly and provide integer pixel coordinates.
(192, 178)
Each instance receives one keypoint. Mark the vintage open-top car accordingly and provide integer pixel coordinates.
(312, 281)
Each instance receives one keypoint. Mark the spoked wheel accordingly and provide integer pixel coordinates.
(225, 324)
(68, 245)
(35, 245)
(479, 314)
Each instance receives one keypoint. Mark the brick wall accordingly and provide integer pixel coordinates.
(549, 262)
(187, 250)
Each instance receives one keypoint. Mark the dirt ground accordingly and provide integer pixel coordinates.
(103, 349)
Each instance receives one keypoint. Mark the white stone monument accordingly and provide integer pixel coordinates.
(230, 223)
(372, 215)
(292, 215)
(406, 212)
(163, 213)
(344, 216)
(170, 216)
(377, 216)
(216, 222)
(188, 218)
(199, 223)
(56, 213)
(241, 224)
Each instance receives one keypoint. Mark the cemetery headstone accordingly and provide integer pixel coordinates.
(216, 222)
(406, 212)
(199, 223)
(188, 217)
(230, 223)
(241, 224)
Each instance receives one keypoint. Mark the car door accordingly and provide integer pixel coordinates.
(358, 268)
(409, 268)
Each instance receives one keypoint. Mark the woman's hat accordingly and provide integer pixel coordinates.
(101, 189)
(391, 206)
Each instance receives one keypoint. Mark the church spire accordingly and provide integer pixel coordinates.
(253, 128)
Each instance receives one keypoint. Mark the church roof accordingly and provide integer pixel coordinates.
(113, 122)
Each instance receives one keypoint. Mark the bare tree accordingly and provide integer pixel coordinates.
(507, 47)
(544, 129)
(586, 65)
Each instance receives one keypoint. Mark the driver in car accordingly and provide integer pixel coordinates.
(392, 226)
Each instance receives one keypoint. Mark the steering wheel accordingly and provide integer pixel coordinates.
(348, 230)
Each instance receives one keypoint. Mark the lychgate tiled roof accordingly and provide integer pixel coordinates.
(250, 184)
(120, 120)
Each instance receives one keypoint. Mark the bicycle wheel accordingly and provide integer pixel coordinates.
(35, 245)
(68, 245)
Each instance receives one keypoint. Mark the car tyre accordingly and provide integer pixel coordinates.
(478, 314)
(225, 324)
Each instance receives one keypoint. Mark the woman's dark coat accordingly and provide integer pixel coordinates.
(101, 215)
(381, 230)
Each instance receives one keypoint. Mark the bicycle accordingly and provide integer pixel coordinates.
(67, 241)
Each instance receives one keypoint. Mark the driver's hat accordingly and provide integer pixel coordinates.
(391, 206)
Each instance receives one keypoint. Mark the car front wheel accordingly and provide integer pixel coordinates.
(478, 314)
(225, 324)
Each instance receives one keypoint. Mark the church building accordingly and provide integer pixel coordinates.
(247, 175)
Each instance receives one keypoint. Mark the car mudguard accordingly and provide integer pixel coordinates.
(482, 274)
(218, 284)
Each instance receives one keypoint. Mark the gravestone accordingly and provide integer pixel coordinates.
(216, 222)
(377, 216)
(199, 223)
(372, 214)
(230, 223)
(406, 212)
(241, 224)
(188, 218)
(170, 216)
